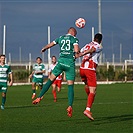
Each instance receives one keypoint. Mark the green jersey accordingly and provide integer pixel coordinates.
(38, 68)
(66, 43)
(4, 71)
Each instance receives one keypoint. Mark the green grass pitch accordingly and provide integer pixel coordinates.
(112, 111)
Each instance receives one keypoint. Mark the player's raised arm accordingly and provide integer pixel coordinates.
(47, 46)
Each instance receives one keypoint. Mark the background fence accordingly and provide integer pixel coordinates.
(105, 71)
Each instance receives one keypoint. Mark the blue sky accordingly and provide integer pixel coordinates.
(27, 21)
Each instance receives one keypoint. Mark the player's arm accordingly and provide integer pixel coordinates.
(87, 51)
(11, 79)
(76, 50)
(30, 76)
(47, 46)
(92, 50)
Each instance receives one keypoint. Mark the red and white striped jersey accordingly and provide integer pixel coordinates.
(90, 61)
(50, 70)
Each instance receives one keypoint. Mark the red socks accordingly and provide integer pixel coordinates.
(54, 93)
(90, 99)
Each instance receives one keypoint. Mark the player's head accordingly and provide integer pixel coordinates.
(98, 38)
(2, 58)
(72, 31)
(53, 59)
(38, 60)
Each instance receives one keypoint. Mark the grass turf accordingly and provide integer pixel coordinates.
(112, 111)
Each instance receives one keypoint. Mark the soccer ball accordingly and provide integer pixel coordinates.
(80, 23)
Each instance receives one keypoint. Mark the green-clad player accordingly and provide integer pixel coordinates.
(68, 48)
(37, 75)
(5, 71)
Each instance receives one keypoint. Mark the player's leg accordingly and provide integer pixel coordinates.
(48, 84)
(3, 89)
(34, 81)
(40, 85)
(59, 84)
(91, 96)
(70, 97)
(84, 79)
(90, 100)
(92, 87)
(40, 82)
(3, 100)
(70, 77)
(87, 90)
(70, 92)
(91, 76)
(54, 91)
(33, 90)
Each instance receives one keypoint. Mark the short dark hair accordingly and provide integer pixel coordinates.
(2, 55)
(39, 58)
(54, 56)
(98, 37)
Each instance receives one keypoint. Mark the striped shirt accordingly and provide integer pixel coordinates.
(90, 61)
(38, 68)
(4, 71)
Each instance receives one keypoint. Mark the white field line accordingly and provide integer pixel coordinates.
(99, 82)
(114, 103)
(30, 105)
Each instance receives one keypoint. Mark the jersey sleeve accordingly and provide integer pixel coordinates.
(56, 41)
(76, 41)
(98, 48)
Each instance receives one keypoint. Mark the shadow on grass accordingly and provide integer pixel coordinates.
(113, 119)
(27, 106)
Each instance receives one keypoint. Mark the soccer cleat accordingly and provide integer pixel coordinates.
(88, 114)
(36, 101)
(33, 95)
(69, 111)
(2, 107)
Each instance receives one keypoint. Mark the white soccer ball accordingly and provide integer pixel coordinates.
(80, 22)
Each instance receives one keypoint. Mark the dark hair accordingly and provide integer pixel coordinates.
(2, 55)
(54, 56)
(39, 58)
(98, 38)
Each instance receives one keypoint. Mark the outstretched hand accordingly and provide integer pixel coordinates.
(43, 50)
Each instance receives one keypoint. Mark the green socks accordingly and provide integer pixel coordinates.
(3, 100)
(45, 87)
(70, 94)
(34, 91)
